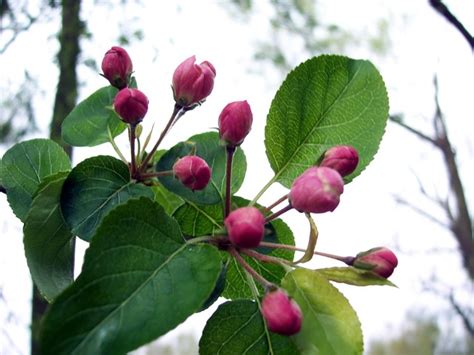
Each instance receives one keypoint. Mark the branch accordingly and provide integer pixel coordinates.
(443, 10)
(421, 212)
(413, 130)
(464, 314)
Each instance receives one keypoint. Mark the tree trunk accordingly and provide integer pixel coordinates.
(66, 96)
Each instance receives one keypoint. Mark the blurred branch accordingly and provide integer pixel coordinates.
(465, 314)
(421, 135)
(443, 10)
(420, 211)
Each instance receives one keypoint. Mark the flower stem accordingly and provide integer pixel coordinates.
(114, 145)
(262, 191)
(278, 214)
(133, 167)
(345, 259)
(277, 202)
(265, 258)
(177, 113)
(157, 174)
(256, 276)
(228, 179)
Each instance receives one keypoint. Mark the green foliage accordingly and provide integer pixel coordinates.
(325, 101)
(93, 188)
(139, 280)
(207, 146)
(25, 166)
(330, 325)
(48, 241)
(90, 121)
(352, 276)
(168, 200)
(237, 327)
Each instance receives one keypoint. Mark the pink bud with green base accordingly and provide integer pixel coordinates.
(281, 313)
(192, 82)
(245, 227)
(381, 261)
(117, 67)
(235, 122)
(193, 172)
(317, 190)
(131, 105)
(342, 158)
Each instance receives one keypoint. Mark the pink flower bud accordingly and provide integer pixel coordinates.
(282, 314)
(131, 105)
(245, 227)
(342, 158)
(235, 122)
(117, 67)
(380, 260)
(317, 190)
(193, 172)
(192, 82)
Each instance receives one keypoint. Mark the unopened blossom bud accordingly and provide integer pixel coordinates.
(235, 122)
(193, 82)
(342, 158)
(131, 105)
(117, 67)
(245, 227)
(381, 261)
(317, 190)
(281, 313)
(193, 172)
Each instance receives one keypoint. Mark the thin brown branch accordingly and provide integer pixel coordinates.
(421, 212)
(443, 10)
(417, 133)
(465, 314)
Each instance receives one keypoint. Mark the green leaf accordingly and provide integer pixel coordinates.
(139, 281)
(198, 220)
(87, 124)
(312, 240)
(47, 239)
(93, 188)
(208, 147)
(352, 276)
(237, 327)
(24, 167)
(330, 324)
(326, 101)
(168, 200)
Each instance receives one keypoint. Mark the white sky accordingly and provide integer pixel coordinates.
(423, 43)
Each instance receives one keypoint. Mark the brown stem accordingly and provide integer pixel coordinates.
(278, 214)
(228, 179)
(157, 174)
(277, 202)
(264, 258)
(256, 276)
(133, 166)
(177, 113)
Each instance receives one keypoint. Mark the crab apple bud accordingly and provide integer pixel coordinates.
(380, 260)
(192, 82)
(235, 122)
(282, 314)
(131, 105)
(342, 158)
(193, 172)
(117, 67)
(245, 227)
(317, 190)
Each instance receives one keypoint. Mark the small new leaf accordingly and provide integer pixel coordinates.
(352, 276)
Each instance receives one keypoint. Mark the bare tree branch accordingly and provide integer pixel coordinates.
(417, 133)
(443, 10)
(465, 314)
(421, 212)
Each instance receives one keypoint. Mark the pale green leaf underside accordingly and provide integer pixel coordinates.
(237, 327)
(330, 324)
(89, 122)
(47, 240)
(24, 167)
(139, 281)
(353, 276)
(93, 188)
(326, 101)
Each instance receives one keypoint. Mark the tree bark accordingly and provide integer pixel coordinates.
(65, 100)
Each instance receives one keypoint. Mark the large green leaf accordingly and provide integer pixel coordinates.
(237, 327)
(326, 101)
(93, 188)
(48, 241)
(330, 324)
(208, 147)
(139, 281)
(352, 276)
(197, 220)
(24, 167)
(168, 200)
(89, 122)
